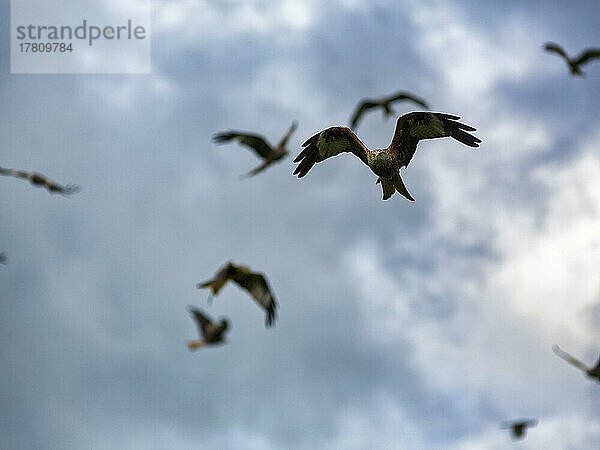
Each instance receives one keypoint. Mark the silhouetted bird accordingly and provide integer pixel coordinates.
(254, 283)
(592, 372)
(40, 180)
(518, 428)
(576, 62)
(385, 103)
(259, 145)
(212, 333)
(3, 258)
(385, 163)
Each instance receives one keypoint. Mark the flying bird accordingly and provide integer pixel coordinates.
(518, 428)
(576, 62)
(385, 163)
(385, 103)
(254, 283)
(40, 180)
(592, 372)
(259, 145)
(211, 333)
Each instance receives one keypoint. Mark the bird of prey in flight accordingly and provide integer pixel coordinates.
(259, 145)
(385, 163)
(592, 372)
(40, 180)
(518, 428)
(385, 103)
(575, 62)
(254, 283)
(211, 333)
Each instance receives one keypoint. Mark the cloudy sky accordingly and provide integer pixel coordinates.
(402, 325)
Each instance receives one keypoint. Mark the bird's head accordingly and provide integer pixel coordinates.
(224, 324)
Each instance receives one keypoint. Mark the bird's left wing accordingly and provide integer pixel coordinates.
(551, 47)
(328, 143)
(203, 322)
(253, 141)
(286, 137)
(257, 286)
(362, 107)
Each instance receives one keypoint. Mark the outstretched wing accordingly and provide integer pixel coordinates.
(257, 286)
(218, 281)
(415, 126)
(40, 180)
(402, 95)
(551, 47)
(202, 321)
(328, 143)
(253, 141)
(286, 137)
(362, 107)
(587, 55)
(569, 358)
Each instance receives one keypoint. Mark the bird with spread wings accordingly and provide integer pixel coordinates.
(259, 145)
(211, 333)
(255, 283)
(591, 372)
(40, 180)
(518, 428)
(574, 62)
(385, 163)
(385, 103)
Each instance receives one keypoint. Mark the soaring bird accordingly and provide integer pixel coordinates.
(254, 283)
(40, 180)
(518, 428)
(212, 333)
(575, 62)
(592, 372)
(3, 258)
(385, 163)
(259, 145)
(385, 103)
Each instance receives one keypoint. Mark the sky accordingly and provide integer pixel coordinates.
(401, 325)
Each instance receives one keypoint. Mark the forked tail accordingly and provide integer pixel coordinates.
(390, 187)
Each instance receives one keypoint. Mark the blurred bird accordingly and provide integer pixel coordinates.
(518, 428)
(576, 62)
(212, 333)
(385, 163)
(40, 180)
(3, 258)
(259, 145)
(254, 283)
(384, 103)
(592, 372)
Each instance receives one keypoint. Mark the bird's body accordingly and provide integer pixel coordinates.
(385, 163)
(592, 372)
(212, 333)
(518, 428)
(255, 283)
(574, 63)
(385, 103)
(268, 153)
(40, 180)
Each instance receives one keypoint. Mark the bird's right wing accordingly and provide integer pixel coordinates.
(253, 141)
(328, 143)
(203, 322)
(551, 47)
(569, 358)
(402, 95)
(586, 55)
(286, 137)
